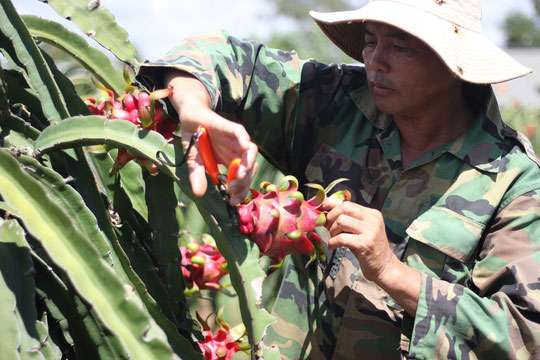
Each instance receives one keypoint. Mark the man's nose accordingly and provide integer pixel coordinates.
(377, 60)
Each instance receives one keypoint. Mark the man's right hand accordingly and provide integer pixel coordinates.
(229, 139)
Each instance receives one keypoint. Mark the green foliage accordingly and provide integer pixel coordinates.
(90, 265)
(304, 36)
(522, 30)
(17, 291)
(525, 120)
(98, 23)
(78, 48)
(300, 9)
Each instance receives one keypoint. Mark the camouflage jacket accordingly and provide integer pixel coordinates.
(466, 214)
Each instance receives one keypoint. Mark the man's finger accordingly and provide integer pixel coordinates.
(330, 203)
(343, 240)
(197, 172)
(197, 179)
(346, 224)
(239, 188)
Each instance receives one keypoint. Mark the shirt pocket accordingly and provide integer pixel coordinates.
(444, 244)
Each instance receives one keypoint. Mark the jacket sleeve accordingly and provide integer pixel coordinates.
(498, 316)
(247, 82)
(287, 105)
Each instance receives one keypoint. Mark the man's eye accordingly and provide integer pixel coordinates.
(399, 48)
(370, 43)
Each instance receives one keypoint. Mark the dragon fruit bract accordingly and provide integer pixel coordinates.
(225, 341)
(217, 345)
(281, 222)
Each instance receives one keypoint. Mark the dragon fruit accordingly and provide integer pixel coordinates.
(281, 222)
(225, 341)
(140, 108)
(207, 266)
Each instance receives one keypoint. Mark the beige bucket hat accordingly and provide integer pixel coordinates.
(452, 28)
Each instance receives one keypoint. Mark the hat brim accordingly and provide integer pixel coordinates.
(467, 53)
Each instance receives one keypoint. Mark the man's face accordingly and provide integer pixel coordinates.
(405, 76)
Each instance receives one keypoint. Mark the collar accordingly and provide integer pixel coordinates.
(482, 146)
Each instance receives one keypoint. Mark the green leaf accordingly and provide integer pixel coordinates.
(4, 106)
(17, 124)
(130, 178)
(17, 142)
(70, 200)
(90, 58)
(154, 293)
(162, 204)
(25, 102)
(9, 209)
(117, 188)
(241, 254)
(98, 23)
(80, 326)
(39, 74)
(7, 49)
(73, 252)
(92, 130)
(20, 337)
(49, 349)
(75, 105)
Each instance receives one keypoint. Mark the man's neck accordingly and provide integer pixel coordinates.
(434, 126)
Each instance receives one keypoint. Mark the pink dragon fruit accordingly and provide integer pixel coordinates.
(208, 266)
(225, 341)
(140, 108)
(281, 222)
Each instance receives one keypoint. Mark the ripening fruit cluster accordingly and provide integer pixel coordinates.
(140, 108)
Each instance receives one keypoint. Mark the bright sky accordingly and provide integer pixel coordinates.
(156, 25)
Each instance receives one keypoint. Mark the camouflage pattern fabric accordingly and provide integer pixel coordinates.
(466, 214)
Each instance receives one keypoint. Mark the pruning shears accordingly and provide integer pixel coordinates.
(202, 139)
(218, 179)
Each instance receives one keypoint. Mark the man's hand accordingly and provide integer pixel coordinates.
(229, 139)
(362, 230)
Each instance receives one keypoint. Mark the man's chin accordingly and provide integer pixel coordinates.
(386, 108)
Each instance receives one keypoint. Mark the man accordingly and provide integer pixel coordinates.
(438, 253)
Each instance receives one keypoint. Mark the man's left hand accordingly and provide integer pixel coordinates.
(362, 230)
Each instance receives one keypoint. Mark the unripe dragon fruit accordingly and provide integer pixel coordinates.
(281, 222)
(207, 266)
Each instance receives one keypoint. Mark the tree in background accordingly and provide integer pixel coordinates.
(304, 36)
(523, 30)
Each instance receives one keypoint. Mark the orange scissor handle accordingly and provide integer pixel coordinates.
(205, 149)
(233, 167)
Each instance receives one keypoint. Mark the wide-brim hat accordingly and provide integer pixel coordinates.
(452, 28)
